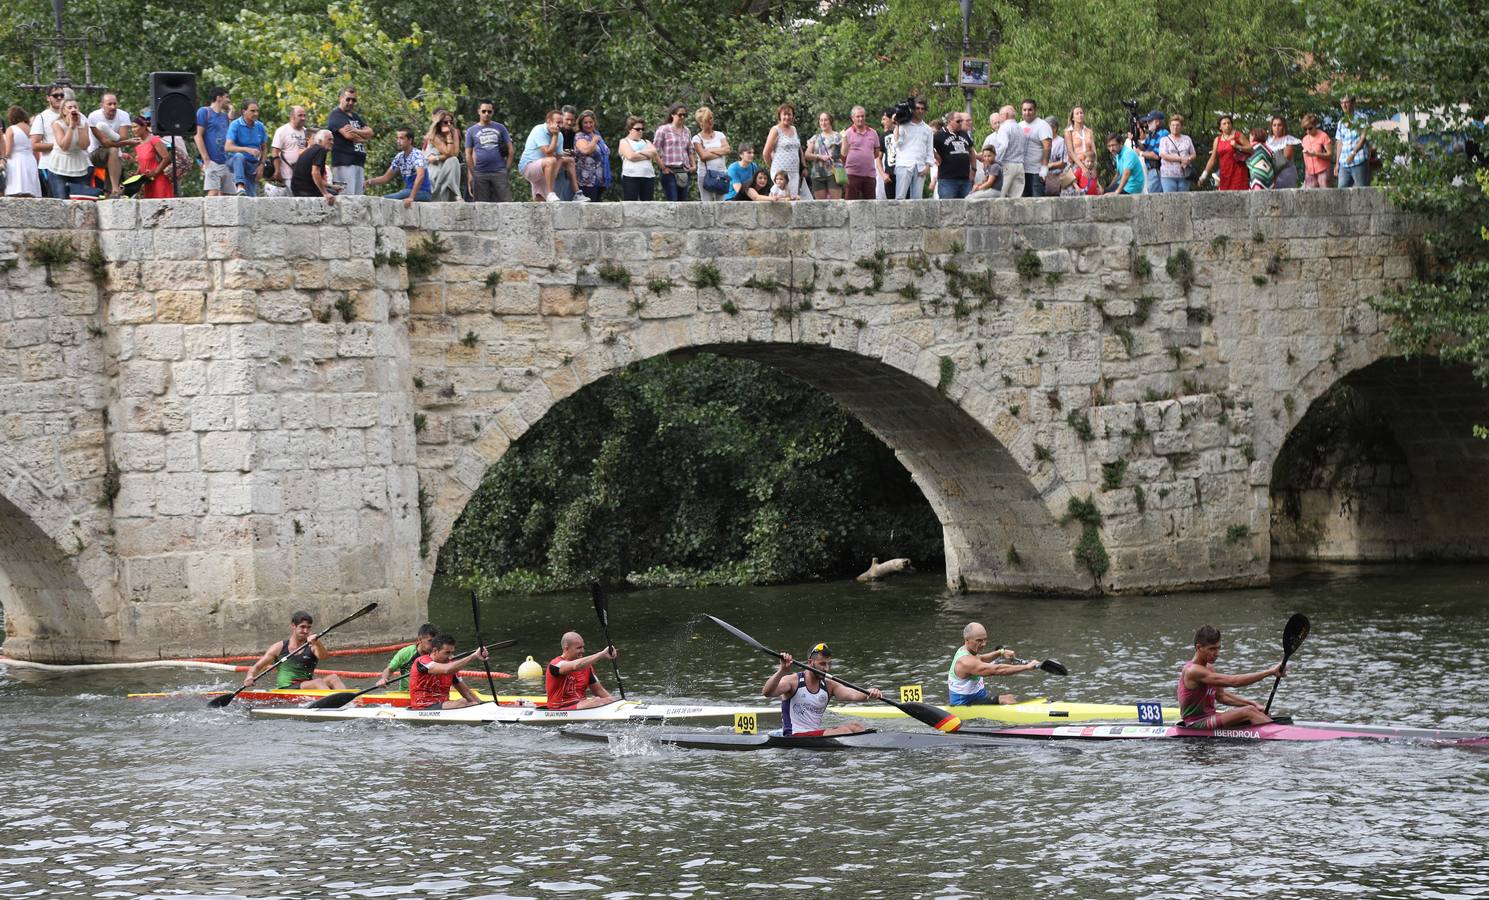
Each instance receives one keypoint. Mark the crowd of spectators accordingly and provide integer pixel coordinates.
(60, 152)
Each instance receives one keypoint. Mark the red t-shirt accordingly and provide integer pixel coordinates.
(565, 691)
(425, 689)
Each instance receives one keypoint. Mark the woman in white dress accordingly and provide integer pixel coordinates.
(21, 178)
(783, 148)
(1286, 151)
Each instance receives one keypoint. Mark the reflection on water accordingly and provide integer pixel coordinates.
(105, 797)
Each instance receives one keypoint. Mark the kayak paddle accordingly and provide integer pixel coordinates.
(934, 716)
(1292, 638)
(602, 609)
(342, 698)
(475, 614)
(1052, 666)
(225, 699)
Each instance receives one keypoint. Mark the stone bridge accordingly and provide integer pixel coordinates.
(217, 411)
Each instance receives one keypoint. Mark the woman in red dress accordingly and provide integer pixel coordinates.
(154, 158)
(1224, 154)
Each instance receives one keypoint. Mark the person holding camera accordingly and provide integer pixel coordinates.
(914, 152)
(1149, 146)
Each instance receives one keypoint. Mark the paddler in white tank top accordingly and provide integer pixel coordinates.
(805, 694)
(964, 685)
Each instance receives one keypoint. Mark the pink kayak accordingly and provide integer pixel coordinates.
(1293, 731)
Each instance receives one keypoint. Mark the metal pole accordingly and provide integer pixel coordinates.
(62, 77)
(966, 49)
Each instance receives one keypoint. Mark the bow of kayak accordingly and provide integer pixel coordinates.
(864, 740)
(1307, 732)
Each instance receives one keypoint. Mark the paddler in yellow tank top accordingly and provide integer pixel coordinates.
(964, 685)
(297, 672)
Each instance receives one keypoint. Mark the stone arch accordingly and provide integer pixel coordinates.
(1383, 465)
(1000, 524)
(50, 612)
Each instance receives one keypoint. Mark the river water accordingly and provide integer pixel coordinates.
(106, 797)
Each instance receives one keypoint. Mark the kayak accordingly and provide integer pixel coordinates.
(1277, 731)
(391, 698)
(1029, 712)
(864, 740)
(489, 713)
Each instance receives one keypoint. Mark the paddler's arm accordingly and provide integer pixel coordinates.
(568, 666)
(596, 688)
(456, 664)
(1000, 653)
(849, 695)
(773, 686)
(1215, 679)
(1230, 699)
(264, 662)
(465, 690)
(970, 665)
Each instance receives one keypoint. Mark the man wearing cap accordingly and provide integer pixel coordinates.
(570, 679)
(804, 698)
(964, 684)
(1153, 135)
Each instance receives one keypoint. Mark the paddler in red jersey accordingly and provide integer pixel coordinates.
(437, 671)
(1200, 686)
(570, 677)
(306, 651)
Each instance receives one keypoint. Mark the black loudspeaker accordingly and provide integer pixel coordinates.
(173, 104)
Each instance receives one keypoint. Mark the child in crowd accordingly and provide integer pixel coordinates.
(989, 179)
(782, 190)
(1085, 175)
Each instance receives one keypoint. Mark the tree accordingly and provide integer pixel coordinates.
(1428, 60)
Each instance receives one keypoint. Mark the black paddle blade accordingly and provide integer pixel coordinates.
(742, 636)
(1294, 633)
(224, 700)
(934, 716)
(602, 606)
(1054, 667)
(334, 701)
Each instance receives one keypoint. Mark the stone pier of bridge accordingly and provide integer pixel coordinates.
(216, 411)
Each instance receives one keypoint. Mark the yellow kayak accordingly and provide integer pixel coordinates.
(1028, 712)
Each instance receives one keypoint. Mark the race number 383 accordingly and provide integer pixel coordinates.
(745, 723)
(1150, 712)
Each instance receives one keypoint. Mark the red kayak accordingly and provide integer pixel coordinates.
(1277, 731)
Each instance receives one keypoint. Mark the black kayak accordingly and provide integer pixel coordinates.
(863, 740)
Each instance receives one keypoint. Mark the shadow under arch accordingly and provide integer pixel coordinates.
(50, 614)
(998, 532)
(1383, 465)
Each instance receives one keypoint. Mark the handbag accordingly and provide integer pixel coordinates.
(840, 175)
(716, 182)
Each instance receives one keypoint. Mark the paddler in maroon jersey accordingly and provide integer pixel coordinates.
(570, 677)
(437, 671)
(1200, 687)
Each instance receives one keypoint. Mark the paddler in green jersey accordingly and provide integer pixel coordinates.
(964, 684)
(298, 672)
(403, 660)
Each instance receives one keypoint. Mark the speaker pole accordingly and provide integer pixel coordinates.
(175, 180)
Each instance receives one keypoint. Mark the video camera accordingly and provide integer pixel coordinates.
(1134, 125)
(904, 110)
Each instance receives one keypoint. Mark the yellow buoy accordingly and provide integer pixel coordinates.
(530, 670)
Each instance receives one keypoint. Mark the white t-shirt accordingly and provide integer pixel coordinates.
(120, 124)
(1035, 134)
(914, 150)
(290, 144)
(636, 168)
(41, 125)
(1009, 142)
(718, 163)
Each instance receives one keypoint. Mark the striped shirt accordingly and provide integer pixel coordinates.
(1350, 129)
(673, 147)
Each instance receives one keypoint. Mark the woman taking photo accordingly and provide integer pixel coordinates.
(591, 158)
(712, 151)
(1229, 152)
(823, 158)
(1285, 149)
(638, 177)
(442, 144)
(783, 147)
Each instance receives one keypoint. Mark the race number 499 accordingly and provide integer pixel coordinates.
(744, 723)
(1150, 713)
(910, 693)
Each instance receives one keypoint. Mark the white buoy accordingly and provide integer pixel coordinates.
(531, 670)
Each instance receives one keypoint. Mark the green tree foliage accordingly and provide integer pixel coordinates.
(1427, 60)
(706, 472)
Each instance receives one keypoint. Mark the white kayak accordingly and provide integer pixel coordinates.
(490, 713)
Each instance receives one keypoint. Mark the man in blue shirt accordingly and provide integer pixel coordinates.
(1153, 135)
(1352, 146)
(488, 150)
(246, 142)
(1129, 167)
(211, 134)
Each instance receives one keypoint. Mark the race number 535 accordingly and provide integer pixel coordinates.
(910, 693)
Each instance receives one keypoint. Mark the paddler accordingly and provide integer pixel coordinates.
(403, 660)
(298, 672)
(435, 672)
(964, 684)
(570, 678)
(804, 698)
(1200, 686)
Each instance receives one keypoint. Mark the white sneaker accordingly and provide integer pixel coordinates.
(552, 197)
(582, 198)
